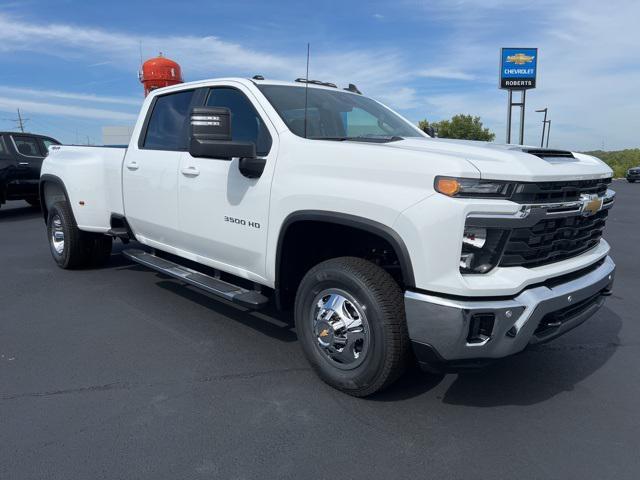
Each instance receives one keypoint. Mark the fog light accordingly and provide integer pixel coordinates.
(481, 327)
(481, 249)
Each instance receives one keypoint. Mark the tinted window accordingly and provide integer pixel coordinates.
(246, 124)
(332, 114)
(27, 146)
(167, 129)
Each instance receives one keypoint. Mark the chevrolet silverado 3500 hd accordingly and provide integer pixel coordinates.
(386, 243)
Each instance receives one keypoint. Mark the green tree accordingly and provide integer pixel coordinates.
(619, 161)
(461, 126)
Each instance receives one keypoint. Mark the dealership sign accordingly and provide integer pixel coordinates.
(518, 68)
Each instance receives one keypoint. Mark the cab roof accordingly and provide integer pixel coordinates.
(249, 81)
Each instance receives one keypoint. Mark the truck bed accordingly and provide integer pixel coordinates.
(93, 178)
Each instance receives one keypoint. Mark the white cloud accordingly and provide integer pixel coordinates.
(446, 73)
(373, 71)
(83, 97)
(11, 104)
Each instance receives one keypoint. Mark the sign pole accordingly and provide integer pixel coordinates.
(510, 100)
(522, 104)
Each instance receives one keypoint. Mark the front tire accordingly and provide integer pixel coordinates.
(631, 181)
(70, 247)
(350, 321)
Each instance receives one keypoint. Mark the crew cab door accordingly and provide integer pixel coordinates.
(28, 155)
(223, 214)
(150, 170)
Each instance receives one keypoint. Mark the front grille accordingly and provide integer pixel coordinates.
(557, 192)
(553, 240)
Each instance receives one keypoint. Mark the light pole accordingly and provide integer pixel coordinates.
(544, 124)
(548, 132)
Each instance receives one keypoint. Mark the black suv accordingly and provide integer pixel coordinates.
(633, 174)
(21, 156)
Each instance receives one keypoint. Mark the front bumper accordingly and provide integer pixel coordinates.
(633, 176)
(439, 326)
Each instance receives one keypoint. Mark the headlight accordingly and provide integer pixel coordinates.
(470, 187)
(481, 249)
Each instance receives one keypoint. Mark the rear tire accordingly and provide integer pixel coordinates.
(351, 324)
(70, 247)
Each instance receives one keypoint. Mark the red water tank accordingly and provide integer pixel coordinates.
(159, 72)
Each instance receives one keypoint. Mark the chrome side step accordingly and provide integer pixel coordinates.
(228, 291)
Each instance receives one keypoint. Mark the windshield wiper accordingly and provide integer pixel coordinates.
(364, 138)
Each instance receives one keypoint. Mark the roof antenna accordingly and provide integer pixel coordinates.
(306, 93)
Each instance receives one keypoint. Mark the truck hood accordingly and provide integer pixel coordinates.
(512, 162)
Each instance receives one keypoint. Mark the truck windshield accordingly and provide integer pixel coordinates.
(336, 115)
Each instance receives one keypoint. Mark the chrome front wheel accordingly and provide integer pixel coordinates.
(340, 328)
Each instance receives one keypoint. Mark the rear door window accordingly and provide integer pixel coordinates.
(167, 127)
(27, 146)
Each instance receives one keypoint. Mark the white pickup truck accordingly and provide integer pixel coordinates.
(387, 244)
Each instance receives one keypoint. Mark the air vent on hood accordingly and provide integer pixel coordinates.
(545, 153)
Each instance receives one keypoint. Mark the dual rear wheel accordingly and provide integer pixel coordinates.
(72, 248)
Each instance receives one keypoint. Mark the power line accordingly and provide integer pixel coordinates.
(19, 121)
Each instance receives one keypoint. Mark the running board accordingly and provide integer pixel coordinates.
(228, 291)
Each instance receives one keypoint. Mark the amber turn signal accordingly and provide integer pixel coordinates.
(448, 186)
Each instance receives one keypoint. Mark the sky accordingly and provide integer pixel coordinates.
(71, 66)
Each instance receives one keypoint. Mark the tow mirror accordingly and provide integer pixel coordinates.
(211, 135)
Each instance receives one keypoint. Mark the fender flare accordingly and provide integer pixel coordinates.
(48, 178)
(371, 226)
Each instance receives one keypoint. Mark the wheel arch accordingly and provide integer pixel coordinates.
(371, 227)
(51, 189)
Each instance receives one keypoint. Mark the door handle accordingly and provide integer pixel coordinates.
(23, 164)
(132, 165)
(190, 171)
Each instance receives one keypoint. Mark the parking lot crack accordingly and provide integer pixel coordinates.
(129, 385)
(92, 388)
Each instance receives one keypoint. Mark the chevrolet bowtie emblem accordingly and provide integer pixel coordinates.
(520, 58)
(591, 205)
(324, 333)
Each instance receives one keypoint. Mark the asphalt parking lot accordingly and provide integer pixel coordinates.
(123, 373)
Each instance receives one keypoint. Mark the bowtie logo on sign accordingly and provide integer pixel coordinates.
(520, 58)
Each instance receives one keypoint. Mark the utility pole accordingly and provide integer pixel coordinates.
(19, 121)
